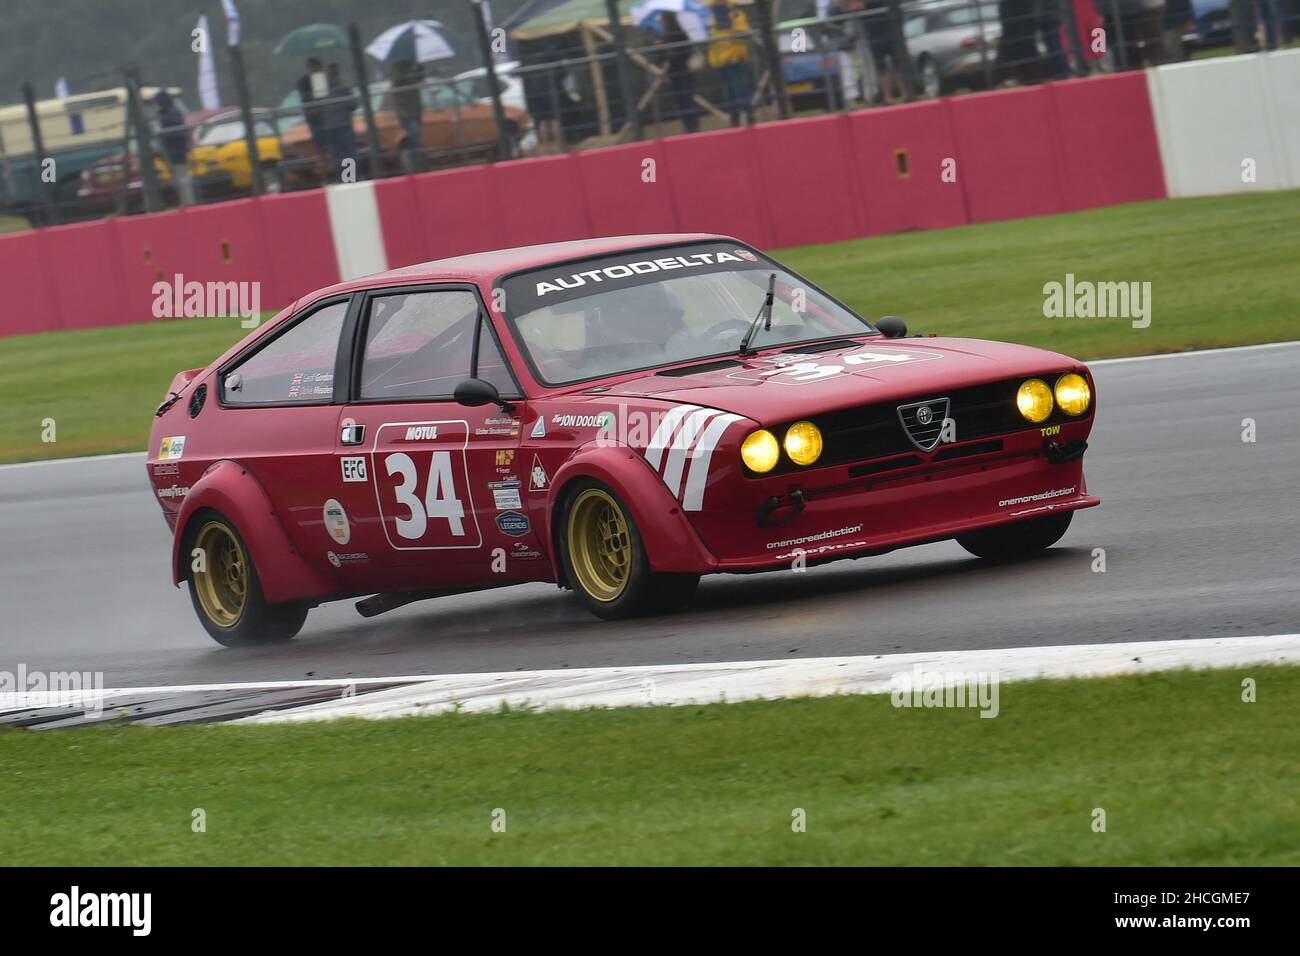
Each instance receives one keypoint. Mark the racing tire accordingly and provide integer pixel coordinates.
(227, 593)
(605, 561)
(1020, 539)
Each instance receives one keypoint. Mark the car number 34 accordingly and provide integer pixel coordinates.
(436, 519)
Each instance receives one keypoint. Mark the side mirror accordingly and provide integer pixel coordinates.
(474, 392)
(891, 327)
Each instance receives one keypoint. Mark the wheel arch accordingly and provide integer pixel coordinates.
(670, 540)
(229, 489)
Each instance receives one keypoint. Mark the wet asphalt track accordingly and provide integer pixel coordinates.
(1200, 532)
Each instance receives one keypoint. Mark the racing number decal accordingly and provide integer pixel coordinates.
(423, 490)
(440, 499)
(796, 369)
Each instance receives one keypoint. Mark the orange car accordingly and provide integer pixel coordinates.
(455, 123)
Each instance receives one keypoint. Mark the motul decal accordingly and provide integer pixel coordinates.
(687, 433)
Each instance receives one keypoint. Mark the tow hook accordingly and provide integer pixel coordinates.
(1058, 453)
(765, 518)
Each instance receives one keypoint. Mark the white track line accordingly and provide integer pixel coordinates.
(676, 684)
(704, 683)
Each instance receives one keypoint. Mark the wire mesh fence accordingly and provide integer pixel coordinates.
(682, 67)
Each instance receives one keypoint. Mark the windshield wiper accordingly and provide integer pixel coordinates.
(764, 314)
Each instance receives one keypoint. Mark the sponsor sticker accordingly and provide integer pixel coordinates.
(422, 433)
(336, 522)
(603, 420)
(1043, 496)
(166, 471)
(506, 495)
(352, 557)
(175, 491)
(537, 477)
(513, 523)
(505, 457)
(171, 449)
(795, 542)
(354, 469)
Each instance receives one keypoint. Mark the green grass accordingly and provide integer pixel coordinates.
(101, 386)
(13, 224)
(1222, 273)
(1186, 774)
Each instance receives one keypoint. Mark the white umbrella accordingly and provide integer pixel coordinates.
(694, 17)
(419, 40)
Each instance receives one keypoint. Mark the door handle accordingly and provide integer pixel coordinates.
(353, 434)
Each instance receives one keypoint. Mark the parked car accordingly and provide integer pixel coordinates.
(818, 74)
(474, 84)
(943, 39)
(625, 416)
(456, 123)
(218, 162)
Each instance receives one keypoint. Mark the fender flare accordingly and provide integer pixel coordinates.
(229, 487)
(670, 539)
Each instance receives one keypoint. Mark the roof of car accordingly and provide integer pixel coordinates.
(483, 266)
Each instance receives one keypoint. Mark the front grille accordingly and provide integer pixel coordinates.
(923, 421)
(869, 432)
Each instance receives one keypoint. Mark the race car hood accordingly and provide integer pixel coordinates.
(776, 386)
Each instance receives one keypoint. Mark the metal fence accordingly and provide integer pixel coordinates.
(79, 156)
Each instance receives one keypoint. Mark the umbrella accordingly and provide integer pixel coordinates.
(313, 38)
(693, 16)
(419, 41)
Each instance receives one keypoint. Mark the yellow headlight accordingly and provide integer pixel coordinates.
(1073, 394)
(1034, 399)
(803, 443)
(760, 452)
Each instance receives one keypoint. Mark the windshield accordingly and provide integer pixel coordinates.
(648, 308)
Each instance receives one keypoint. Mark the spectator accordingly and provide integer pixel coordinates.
(1047, 19)
(407, 79)
(1144, 29)
(856, 32)
(312, 86)
(880, 38)
(1018, 47)
(542, 92)
(729, 55)
(677, 62)
(175, 145)
(336, 123)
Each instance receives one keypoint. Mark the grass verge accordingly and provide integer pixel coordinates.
(1220, 270)
(1185, 771)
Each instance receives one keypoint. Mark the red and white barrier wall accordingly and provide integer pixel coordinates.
(1180, 130)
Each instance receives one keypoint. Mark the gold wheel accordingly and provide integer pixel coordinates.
(222, 585)
(600, 545)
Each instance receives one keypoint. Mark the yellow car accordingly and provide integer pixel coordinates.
(218, 159)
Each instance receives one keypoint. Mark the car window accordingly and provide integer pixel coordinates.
(642, 309)
(913, 27)
(296, 368)
(420, 345)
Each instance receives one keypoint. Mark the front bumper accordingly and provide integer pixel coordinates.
(828, 514)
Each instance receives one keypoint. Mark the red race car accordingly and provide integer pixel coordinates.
(617, 416)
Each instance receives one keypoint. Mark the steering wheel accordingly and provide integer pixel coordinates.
(716, 330)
